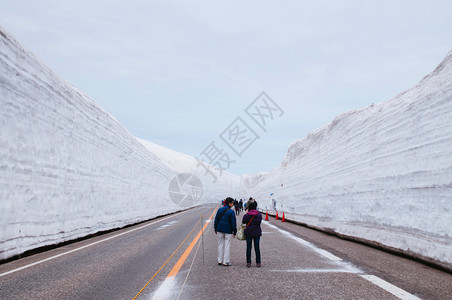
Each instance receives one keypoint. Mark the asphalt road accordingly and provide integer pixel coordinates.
(298, 263)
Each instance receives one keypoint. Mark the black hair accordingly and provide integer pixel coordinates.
(253, 205)
(228, 200)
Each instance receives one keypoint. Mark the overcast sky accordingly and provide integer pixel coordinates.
(179, 73)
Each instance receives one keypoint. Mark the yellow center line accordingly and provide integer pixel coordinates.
(166, 262)
(180, 260)
(187, 252)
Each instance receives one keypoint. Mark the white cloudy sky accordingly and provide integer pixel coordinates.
(178, 73)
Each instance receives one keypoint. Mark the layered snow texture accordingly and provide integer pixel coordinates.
(216, 184)
(383, 173)
(67, 168)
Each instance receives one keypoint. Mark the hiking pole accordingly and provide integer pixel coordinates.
(202, 239)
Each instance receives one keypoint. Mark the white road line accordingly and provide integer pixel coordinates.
(322, 252)
(345, 270)
(166, 290)
(83, 247)
(193, 261)
(327, 254)
(170, 223)
(398, 292)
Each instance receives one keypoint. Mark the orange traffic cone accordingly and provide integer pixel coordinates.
(277, 215)
(266, 216)
(283, 218)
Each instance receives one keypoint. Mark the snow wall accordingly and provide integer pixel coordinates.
(382, 174)
(67, 168)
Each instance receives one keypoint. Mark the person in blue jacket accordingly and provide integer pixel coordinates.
(225, 228)
(253, 232)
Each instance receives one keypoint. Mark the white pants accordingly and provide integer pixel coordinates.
(224, 247)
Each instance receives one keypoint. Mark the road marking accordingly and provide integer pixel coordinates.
(163, 290)
(344, 270)
(326, 254)
(322, 252)
(187, 252)
(83, 247)
(191, 266)
(166, 290)
(166, 225)
(166, 261)
(396, 291)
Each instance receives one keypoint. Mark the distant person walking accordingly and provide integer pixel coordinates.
(253, 232)
(248, 203)
(236, 206)
(225, 228)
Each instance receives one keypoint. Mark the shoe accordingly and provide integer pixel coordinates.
(248, 265)
(220, 264)
(258, 265)
(227, 264)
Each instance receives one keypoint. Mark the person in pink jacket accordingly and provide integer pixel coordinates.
(253, 232)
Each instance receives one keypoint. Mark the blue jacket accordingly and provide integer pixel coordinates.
(227, 223)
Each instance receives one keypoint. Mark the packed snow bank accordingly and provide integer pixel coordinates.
(383, 173)
(67, 168)
(214, 187)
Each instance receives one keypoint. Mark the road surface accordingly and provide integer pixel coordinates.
(172, 258)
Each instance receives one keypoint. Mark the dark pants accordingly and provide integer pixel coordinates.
(249, 241)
